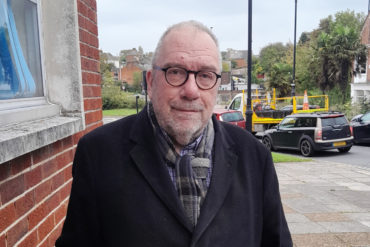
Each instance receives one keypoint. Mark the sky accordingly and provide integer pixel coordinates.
(127, 24)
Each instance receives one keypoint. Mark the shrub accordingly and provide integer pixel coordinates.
(114, 98)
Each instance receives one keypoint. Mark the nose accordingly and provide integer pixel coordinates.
(190, 89)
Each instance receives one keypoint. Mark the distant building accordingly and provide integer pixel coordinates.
(131, 66)
(360, 88)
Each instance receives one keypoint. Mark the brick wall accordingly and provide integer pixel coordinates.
(34, 188)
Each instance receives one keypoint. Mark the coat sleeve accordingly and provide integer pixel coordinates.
(81, 226)
(275, 227)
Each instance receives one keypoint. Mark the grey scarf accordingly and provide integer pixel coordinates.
(190, 169)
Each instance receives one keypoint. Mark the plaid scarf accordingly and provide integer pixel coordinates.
(190, 169)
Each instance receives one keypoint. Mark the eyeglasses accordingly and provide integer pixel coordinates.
(178, 76)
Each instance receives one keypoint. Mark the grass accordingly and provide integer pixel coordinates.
(278, 157)
(119, 112)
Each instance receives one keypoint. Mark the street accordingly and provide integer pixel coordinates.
(358, 155)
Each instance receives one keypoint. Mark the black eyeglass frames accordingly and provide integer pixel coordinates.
(177, 77)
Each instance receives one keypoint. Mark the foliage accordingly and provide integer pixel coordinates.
(233, 64)
(114, 98)
(324, 59)
(225, 67)
(336, 49)
(138, 79)
(104, 65)
(271, 54)
(280, 78)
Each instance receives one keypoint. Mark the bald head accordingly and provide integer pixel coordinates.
(195, 26)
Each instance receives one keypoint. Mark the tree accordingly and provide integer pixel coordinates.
(280, 78)
(338, 50)
(233, 64)
(271, 54)
(104, 65)
(138, 78)
(225, 66)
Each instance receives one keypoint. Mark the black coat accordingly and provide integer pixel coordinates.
(122, 194)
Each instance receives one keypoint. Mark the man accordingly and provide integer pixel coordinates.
(172, 175)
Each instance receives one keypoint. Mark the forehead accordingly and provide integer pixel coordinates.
(189, 47)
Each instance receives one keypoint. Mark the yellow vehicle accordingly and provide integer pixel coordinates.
(268, 111)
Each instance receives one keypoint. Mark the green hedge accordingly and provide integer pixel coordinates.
(114, 98)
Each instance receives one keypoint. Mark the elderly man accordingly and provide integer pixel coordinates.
(173, 175)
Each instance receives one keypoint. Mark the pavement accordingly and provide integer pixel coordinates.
(326, 203)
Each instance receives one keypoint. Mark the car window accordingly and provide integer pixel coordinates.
(232, 117)
(236, 103)
(305, 122)
(331, 121)
(366, 117)
(288, 122)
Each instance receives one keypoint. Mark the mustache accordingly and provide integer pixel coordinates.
(187, 106)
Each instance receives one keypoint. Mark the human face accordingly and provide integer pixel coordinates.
(184, 111)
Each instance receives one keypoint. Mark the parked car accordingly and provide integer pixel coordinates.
(230, 116)
(361, 128)
(310, 132)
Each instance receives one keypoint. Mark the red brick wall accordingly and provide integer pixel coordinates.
(89, 48)
(34, 188)
(127, 74)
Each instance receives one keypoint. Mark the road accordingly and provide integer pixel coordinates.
(358, 155)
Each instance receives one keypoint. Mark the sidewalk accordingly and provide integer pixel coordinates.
(326, 203)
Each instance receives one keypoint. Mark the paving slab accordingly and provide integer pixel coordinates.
(326, 203)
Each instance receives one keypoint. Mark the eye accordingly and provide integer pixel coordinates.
(206, 75)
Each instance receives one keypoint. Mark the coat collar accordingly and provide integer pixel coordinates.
(147, 158)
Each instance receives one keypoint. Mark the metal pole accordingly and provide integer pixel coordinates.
(248, 113)
(294, 48)
(145, 86)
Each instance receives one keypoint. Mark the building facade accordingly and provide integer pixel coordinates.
(360, 87)
(50, 96)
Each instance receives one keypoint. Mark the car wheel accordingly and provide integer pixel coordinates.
(306, 148)
(267, 142)
(344, 150)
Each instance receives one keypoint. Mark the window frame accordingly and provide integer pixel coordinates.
(9, 108)
(27, 124)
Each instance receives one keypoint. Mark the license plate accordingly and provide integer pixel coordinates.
(337, 144)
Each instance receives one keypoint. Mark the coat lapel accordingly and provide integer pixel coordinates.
(225, 162)
(147, 159)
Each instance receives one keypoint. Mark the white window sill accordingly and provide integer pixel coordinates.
(21, 138)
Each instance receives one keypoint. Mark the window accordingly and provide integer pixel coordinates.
(20, 59)
(236, 104)
(41, 98)
(287, 122)
(232, 117)
(305, 122)
(331, 121)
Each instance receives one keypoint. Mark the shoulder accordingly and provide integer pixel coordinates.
(244, 144)
(118, 129)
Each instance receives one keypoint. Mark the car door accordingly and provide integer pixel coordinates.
(284, 135)
(362, 128)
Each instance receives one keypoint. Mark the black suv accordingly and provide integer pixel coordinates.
(310, 132)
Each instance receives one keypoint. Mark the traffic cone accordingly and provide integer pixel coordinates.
(305, 101)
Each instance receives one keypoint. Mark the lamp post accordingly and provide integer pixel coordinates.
(248, 112)
(294, 48)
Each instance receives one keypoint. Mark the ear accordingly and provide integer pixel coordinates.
(149, 81)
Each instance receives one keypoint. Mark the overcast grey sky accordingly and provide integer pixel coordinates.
(126, 24)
